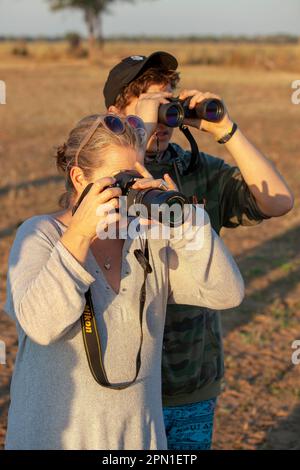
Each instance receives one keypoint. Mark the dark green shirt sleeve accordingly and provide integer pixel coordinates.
(237, 205)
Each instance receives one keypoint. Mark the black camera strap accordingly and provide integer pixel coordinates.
(82, 196)
(91, 337)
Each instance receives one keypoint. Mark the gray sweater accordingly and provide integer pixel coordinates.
(55, 401)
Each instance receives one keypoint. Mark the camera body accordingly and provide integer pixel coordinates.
(172, 114)
(165, 201)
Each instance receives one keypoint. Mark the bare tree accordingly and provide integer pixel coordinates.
(92, 10)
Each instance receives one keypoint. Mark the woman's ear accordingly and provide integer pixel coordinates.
(78, 179)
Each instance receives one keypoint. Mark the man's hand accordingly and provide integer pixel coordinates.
(147, 108)
(217, 129)
(272, 194)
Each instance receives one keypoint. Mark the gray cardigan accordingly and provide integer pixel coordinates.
(55, 401)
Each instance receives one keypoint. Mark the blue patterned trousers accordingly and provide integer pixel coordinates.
(190, 427)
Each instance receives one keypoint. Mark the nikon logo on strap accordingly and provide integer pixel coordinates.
(87, 319)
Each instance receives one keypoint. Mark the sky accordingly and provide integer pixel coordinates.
(157, 17)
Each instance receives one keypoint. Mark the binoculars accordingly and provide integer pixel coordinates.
(172, 114)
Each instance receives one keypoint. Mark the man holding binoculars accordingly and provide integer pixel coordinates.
(245, 194)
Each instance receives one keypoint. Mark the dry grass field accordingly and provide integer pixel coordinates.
(268, 56)
(47, 92)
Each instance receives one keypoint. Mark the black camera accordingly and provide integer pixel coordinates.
(169, 206)
(172, 114)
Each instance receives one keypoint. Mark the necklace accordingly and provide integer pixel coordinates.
(107, 262)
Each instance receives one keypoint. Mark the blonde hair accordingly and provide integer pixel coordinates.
(92, 155)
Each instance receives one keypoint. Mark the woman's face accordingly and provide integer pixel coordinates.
(116, 160)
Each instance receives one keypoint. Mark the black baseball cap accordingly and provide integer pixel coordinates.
(130, 68)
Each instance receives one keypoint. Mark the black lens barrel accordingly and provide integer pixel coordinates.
(152, 203)
(168, 207)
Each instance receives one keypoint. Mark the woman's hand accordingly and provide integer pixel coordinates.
(148, 181)
(217, 129)
(93, 211)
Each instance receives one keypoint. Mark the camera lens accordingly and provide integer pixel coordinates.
(174, 216)
(168, 207)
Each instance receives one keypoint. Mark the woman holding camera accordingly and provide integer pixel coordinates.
(57, 398)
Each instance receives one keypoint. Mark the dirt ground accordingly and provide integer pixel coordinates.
(260, 406)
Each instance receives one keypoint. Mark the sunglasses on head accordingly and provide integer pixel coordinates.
(117, 125)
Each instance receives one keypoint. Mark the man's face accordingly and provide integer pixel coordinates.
(159, 141)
